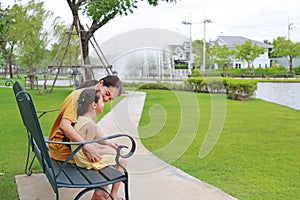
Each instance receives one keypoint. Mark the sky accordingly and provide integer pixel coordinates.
(254, 19)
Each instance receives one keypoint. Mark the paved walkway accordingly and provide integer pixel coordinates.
(150, 177)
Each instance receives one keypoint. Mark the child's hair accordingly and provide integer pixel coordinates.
(87, 97)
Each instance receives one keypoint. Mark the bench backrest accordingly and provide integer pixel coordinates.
(35, 135)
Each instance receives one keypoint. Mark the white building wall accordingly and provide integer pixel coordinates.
(264, 55)
(261, 61)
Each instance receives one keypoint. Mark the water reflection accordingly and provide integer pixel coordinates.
(287, 94)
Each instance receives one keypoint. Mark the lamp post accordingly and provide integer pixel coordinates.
(289, 29)
(76, 74)
(204, 49)
(190, 41)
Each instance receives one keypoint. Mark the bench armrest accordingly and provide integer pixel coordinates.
(43, 112)
(81, 144)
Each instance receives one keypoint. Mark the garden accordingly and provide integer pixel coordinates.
(255, 157)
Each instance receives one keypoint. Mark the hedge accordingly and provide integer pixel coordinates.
(237, 89)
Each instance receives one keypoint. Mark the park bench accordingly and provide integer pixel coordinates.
(64, 174)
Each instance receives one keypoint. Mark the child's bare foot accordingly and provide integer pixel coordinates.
(100, 195)
(115, 198)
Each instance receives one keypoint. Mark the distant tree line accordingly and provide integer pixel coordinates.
(223, 55)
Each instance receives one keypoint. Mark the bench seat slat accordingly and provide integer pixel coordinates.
(111, 173)
(73, 174)
(62, 178)
(92, 176)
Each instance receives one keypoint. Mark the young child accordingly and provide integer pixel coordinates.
(90, 103)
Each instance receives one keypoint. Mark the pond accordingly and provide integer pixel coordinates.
(287, 94)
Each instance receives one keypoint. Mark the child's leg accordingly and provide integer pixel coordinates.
(99, 194)
(115, 187)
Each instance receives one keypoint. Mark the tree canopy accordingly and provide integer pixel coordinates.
(286, 48)
(197, 50)
(248, 52)
(221, 55)
(24, 40)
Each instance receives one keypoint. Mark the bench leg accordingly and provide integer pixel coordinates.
(28, 170)
(126, 189)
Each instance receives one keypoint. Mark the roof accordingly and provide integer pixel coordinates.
(174, 47)
(232, 41)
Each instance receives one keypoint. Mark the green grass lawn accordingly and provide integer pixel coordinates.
(257, 155)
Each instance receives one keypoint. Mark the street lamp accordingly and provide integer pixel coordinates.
(77, 75)
(204, 49)
(289, 29)
(190, 56)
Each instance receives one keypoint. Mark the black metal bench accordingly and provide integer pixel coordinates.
(64, 174)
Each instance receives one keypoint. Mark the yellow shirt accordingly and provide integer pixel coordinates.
(68, 110)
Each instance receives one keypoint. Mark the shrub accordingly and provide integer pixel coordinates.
(297, 70)
(196, 73)
(273, 71)
(153, 86)
(214, 85)
(196, 83)
(215, 72)
(238, 89)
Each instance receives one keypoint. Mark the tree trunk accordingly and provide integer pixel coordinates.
(9, 64)
(84, 39)
(85, 53)
(30, 76)
(290, 63)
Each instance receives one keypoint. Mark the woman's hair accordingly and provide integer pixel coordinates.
(108, 81)
(113, 81)
(87, 97)
(87, 84)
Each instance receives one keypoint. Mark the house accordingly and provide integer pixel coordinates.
(181, 53)
(232, 41)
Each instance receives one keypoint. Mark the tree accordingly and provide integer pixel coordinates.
(5, 52)
(286, 48)
(248, 52)
(101, 12)
(33, 38)
(197, 50)
(222, 55)
(26, 38)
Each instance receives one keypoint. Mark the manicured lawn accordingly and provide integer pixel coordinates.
(257, 155)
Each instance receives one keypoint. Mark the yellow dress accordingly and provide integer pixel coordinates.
(81, 160)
